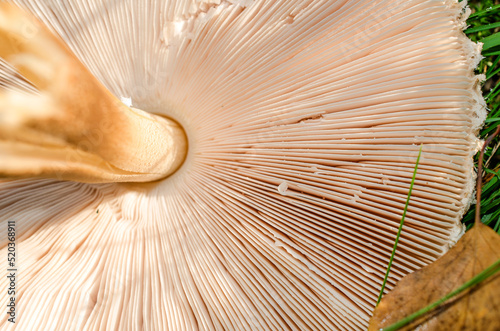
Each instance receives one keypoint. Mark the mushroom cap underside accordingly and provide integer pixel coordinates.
(304, 121)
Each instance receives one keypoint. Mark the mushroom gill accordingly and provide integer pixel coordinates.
(303, 121)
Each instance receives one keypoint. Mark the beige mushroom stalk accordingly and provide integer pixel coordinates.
(303, 121)
(73, 129)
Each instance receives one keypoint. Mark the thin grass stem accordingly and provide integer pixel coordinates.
(400, 228)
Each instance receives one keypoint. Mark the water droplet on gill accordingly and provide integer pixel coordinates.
(355, 198)
(368, 269)
(283, 187)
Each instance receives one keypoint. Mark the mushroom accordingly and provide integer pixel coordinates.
(303, 121)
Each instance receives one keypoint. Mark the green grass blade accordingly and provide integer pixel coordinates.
(489, 11)
(491, 53)
(493, 93)
(488, 272)
(493, 74)
(491, 41)
(400, 227)
(487, 131)
(483, 28)
(492, 68)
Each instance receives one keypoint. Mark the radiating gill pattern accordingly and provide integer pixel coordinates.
(304, 121)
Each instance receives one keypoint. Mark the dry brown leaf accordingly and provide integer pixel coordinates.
(475, 309)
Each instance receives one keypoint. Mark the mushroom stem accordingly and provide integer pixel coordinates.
(74, 128)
